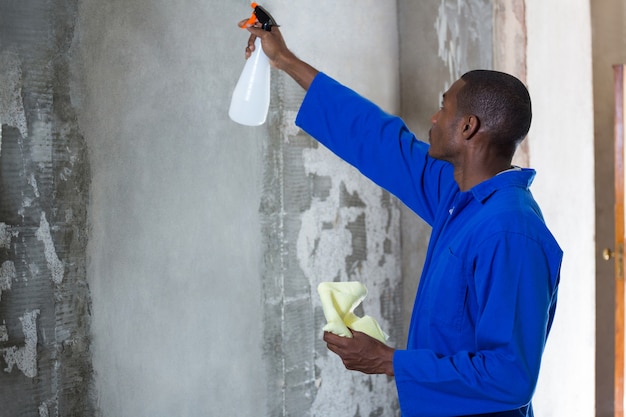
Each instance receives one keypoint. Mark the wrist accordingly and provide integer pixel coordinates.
(286, 61)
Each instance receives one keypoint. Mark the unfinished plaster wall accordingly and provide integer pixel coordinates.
(208, 239)
(175, 245)
(323, 221)
(509, 51)
(45, 366)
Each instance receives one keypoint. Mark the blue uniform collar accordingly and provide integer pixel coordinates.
(521, 178)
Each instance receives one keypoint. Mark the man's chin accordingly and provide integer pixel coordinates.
(434, 156)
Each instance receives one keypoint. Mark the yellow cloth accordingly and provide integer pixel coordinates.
(339, 299)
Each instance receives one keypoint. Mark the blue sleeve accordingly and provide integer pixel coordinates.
(515, 281)
(378, 144)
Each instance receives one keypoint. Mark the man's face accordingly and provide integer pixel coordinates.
(444, 134)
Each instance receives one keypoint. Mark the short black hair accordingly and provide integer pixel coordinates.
(500, 101)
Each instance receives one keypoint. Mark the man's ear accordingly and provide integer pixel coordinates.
(470, 126)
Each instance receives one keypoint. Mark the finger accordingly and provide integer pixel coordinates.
(334, 349)
(334, 339)
(360, 335)
(256, 30)
(363, 336)
(349, 365)
(250, 46)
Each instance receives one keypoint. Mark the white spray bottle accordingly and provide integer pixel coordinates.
(251, 97)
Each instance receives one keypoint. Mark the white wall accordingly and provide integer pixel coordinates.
(561, 149)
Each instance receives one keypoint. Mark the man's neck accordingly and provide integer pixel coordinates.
(467, 178)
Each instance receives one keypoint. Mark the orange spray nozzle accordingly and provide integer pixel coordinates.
(259, 14)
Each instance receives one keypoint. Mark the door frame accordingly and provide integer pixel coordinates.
(619, 240)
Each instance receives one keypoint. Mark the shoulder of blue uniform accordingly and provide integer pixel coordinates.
(516, 178)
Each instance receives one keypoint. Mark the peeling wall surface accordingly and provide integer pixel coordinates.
(331, 222)
(208, 239)
(45, 363)
(157, 259)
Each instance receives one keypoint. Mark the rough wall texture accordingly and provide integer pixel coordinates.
(509, 55)
(332, 224)
(207, 238)
(175, 244)
(44, 181)
(323, 221)
(439, 41)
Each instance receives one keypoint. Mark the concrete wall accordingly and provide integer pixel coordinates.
(45, 363)
(175, 245)
(206, 239)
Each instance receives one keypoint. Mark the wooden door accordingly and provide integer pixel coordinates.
(619, 240)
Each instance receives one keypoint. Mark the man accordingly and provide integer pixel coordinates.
(488, 290)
